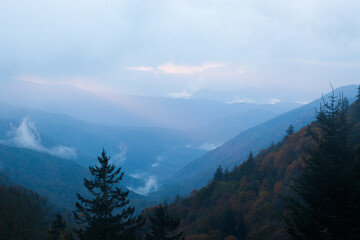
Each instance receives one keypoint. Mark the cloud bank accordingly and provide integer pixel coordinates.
(269, 45)
(181, 94)
(171, 68)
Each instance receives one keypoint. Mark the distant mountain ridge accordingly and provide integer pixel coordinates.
(126, 110)
(146, 153)
(136, 149)
(55, 178)
(227, 128)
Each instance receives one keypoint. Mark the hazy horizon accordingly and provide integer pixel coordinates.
(232, 51)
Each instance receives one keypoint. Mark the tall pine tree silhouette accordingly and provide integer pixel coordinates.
(106, 215)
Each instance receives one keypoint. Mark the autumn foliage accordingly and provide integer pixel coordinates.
(248, 202)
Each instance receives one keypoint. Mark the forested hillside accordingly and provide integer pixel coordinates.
(247, 202)
(197, 173)
(55, 178)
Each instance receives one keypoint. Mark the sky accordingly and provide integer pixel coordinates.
(287, 50)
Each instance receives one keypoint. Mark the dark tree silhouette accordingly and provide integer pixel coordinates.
(106, 215)
(218, 175)
(23, 214)
(290, 130)
(163, 226)
(58, 230)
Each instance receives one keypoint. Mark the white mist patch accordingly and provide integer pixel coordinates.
(159, 159)
(151, 184)
(241, 100)
(155, 164)
(208, 146)
(27, 136)
(258, 101)
(63, 151)
(120, 157)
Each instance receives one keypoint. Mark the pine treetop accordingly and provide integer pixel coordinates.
(106, 215)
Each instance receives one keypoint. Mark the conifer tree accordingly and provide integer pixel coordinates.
(248, 166)
(218, 175)
(228, 224)
(241, 229)
(323, 204)
(163, 226)
(58, 230)
(290, 130)
(226, 174)
(106, 215)
(358, 94)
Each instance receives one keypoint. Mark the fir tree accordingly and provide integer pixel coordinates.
(290, 130)
(218, 175)
(163, 226)
(358, 95)
(249, 165)
(106, 215)
(241, 228)
(326, 194)
(58, 230)
(226, 174)
(228, 224)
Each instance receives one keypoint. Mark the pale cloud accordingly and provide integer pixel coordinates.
(273, 100)
(182, 94)
(170, 68)
(242, 70)
(241, 100)
(318, 62)
(303, 102)
(78, 82)
(141, 69)
(286, 44)
(259, 101)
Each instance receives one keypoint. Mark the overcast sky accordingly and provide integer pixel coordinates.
(282, 49)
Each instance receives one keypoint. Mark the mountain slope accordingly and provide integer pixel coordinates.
(246, 203)
(227, 128)
(56, 178)
(145, 152)
(235, 151)
(149, 154)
